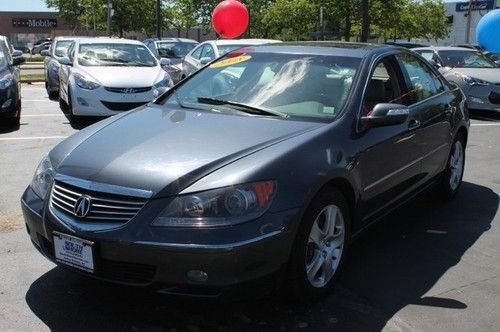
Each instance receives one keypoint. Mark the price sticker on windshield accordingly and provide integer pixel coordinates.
(231, 61)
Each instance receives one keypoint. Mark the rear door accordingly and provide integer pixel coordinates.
(433, 103)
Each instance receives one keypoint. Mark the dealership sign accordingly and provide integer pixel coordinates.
(34, 23)
(476, 5)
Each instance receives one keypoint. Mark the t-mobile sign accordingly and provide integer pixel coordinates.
(34, 23)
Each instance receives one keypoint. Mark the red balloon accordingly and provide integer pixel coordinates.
(230, 19)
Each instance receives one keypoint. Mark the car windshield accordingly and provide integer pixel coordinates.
(466, 59)
(311, 87)
(174, 49)
(62, 47)
(108, 54)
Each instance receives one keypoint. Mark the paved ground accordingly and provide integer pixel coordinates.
(430, 266)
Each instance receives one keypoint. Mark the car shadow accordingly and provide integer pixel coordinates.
(392, 265)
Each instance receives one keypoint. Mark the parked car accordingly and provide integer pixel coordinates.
(22, 48)
(213, 49)
(57, 51)
(215, 186)
(37, 49)
(174, 49)
(10, 85)
(107, 76)
(476, 74)
(406, 44)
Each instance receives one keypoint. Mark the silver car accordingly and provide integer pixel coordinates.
(476, 74)
(57, 51)
(213, 49)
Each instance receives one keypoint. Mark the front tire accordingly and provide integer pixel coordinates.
(454, 172)
(320, 247)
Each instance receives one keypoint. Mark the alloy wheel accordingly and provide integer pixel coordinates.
(456, 165)
(325, 246)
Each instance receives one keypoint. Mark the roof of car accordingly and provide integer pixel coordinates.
(175, 40)
(69, 38)
(326, 48)
(243, 41)
(444, 48)
(101, 40)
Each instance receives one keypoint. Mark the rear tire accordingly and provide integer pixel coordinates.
(320, 247)
(16, 121)
(454, 172)
(53, 95)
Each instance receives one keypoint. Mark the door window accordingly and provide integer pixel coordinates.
(383, 86)
(424, 83)
(208, 52)
(197, 52)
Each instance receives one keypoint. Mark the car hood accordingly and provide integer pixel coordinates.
(164, 151)
(125, 77)
(491, 75)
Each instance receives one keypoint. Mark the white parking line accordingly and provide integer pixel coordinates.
(30, 138)
(35, 115)
(485, 124)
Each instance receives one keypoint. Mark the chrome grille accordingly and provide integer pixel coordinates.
(128, 90)
(104, 208)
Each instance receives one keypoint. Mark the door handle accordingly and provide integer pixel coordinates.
(414, 124)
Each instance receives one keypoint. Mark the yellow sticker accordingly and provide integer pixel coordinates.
(231, 61)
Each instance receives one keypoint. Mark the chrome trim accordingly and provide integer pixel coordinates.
(227, 246)
(103, 187)
(388, 176)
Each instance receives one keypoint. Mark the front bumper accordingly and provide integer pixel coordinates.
(101, 102)
(130, 256)
(484, 98)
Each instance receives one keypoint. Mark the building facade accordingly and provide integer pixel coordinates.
(458, 13)
(25, 28)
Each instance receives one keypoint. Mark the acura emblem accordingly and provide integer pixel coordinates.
(128, 90)
(82, 206)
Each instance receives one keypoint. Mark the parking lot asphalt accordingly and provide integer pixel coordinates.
(431, 265)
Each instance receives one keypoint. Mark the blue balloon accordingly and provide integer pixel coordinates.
(488, 31)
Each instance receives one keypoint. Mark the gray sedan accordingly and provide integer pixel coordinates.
(476, 74)
(265, 165)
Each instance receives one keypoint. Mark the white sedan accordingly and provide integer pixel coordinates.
(106, 76)
(213, 49)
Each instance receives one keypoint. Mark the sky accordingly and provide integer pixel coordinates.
(36, 5)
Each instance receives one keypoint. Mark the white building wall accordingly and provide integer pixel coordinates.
(458, 33)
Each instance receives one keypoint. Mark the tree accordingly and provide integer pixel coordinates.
(290, 19)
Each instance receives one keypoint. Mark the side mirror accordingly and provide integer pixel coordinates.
(45, 53)
(205, 61)
(434, 64)
(386, 115)
(18, 60)
(17, 53)
(65, 61)
(165, 62)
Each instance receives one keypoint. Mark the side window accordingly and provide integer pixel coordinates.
(383, 86)
(197, 52)
(423, 82)
(427, 55)
(71, 52)
(208, 52)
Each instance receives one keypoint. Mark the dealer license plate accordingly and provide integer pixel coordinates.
(74, 252)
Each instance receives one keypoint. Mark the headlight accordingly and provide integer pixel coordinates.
(6, 81)
(472, 80)
(42, 180)
(219, 207)
(85, 83)
(166, 82)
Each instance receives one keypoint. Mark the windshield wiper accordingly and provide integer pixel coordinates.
(242, 107)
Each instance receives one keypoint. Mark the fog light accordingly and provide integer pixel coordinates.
(7, 103)
(476, 100)
(82, 101)
(197, 276)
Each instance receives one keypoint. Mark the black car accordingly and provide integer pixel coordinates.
(267, 162)
(409, 45)
(10, 87)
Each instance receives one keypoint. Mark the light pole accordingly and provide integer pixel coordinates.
(469, 19)
(158, 19)
(110, 6)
